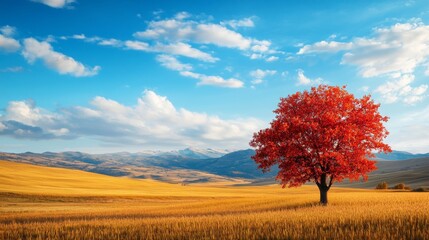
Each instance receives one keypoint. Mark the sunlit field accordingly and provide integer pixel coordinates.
(92, 206)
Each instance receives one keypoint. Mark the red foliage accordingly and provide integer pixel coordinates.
(323, 135)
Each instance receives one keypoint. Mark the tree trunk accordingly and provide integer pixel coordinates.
(323, 195)
(324, 188)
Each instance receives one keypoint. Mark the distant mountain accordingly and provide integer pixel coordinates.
(195, 153)
(236, 164)
(208, 165)
(400, 155)
(159, 165)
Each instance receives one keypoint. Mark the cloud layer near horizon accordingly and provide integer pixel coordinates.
(153, 121)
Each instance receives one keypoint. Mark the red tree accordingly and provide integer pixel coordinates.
(323, 135)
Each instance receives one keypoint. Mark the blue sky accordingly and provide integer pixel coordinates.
(133, 75)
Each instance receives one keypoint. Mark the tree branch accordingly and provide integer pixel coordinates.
(330, 181)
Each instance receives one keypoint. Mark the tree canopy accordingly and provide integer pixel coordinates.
(323, 135)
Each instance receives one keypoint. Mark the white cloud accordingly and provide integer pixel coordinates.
(56, 3)
(172, 63)
(182, 28)
(8, 30)
(259, 73)
(304, 80)
(176, 48)
(185, 70)
(137, 45)
(324, 46)
(179, 48)
(184, 49)
(79, 36)
(245, 22)
(22, 119)
(110, 42)
(399, 89)
(262, 50)
(261, 46)
(9, 44)
(182, 15)
(183, 35)
(256, 56)
(221, 36)
(272, 59)
(213, 80)
(174, 30)
(61, 63)
(396, 49)
(153, 121)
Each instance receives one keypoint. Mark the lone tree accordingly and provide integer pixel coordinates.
(324, 135)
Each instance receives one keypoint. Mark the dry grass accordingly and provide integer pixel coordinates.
(115, 208)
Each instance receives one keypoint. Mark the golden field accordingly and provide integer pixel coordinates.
(53, 203)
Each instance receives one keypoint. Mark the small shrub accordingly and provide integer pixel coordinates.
(399, 186)
(421, 189)
(382, 185)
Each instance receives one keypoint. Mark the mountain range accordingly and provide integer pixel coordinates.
(194, 165)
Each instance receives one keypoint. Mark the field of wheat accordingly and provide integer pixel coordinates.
(151, 210)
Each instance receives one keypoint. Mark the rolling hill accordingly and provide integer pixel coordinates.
(192, 166)
(412, 172)
(22, 178)
(163, 166)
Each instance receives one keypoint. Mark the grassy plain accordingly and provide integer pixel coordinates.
(52, 203)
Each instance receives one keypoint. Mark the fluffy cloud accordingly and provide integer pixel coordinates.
(396, 49)
(61, 63)
(272, 59)
(7, 43)
(213, 80)
(172, 63)
(55, 3)
(153, 121)
(399, 89)
(182, 29)
(111, 42)
(183, 36)
(178, 48)
(137, 45)
(258, 75)
(8, 30)
(304, 80)
(184, 49)
(176, 29)
(22, 119)
(324, 46)
(262, 50)
(245, 22)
